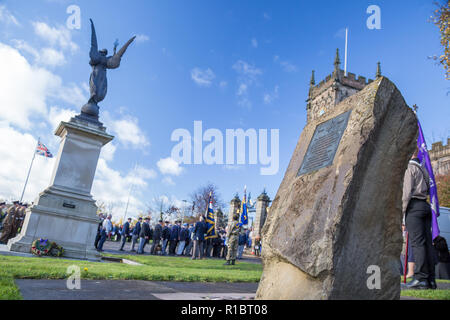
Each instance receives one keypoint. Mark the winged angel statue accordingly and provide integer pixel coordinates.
(100, 62)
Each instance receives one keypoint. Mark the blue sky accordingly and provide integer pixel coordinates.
(185, 67)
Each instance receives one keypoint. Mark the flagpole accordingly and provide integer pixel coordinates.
(29, 171)
(129, 195)
(346, 51)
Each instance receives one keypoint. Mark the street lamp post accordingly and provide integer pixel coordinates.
(184, 211)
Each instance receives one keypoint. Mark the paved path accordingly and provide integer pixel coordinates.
(135, 290)
(141, 290)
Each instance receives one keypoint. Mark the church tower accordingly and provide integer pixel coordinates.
(335, 88)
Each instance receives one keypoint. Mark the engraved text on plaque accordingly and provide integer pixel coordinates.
(324, 144)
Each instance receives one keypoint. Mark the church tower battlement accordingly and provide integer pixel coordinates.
(333, 89)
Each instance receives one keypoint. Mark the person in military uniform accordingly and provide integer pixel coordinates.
(8, 223)
(20, 218)
(2, 213)
(233, 231)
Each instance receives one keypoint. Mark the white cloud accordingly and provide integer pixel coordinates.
(202, 78)
(108, 152)
(242, 90)
(169, 166)
(223, 84)
(142, 38)
(285, 65)
(127, 130)
(168, 181)
(288, 67)
(270, 97)
(254, 43)
(247, 70)
(60, 36)
(25, 47)
(52, 57)
(25, 88)
(266, 16)
(7, 17)
(15, 164)
(56, 115)
(44, 57)
(247, 76)
(110, 186)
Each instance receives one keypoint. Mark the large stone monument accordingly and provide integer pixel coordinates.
(66, 212)
(336, 218)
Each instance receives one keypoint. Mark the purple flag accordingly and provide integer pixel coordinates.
(424, 159)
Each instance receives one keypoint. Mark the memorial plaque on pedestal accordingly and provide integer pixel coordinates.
(324, 144)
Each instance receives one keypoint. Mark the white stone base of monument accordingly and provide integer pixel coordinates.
(65, 212)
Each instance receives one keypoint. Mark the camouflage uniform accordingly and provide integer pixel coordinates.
(19, 220)
(232, 240)
(8, 225)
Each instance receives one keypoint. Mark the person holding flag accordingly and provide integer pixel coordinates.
(244, 212)
(210, 221)
(420, 216)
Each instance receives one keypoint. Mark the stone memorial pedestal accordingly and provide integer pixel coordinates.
(65, 212)
(336, 219)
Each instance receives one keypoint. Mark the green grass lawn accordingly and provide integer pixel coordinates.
(429, 294)
(153, 269)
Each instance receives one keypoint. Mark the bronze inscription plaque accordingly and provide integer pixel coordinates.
(324, 144)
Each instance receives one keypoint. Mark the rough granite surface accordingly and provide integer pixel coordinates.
(327, 227)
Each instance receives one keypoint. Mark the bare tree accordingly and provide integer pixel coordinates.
(200, 199)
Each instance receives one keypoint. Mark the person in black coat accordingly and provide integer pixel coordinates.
(157, 234)
(99, 230)
(135, 233)
(174, 238)
(125, 233)
(200, 230)
(443, 256)
(184, 237)
(144, 235)
(165, 237)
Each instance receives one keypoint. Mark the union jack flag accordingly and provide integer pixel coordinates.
(42, 150)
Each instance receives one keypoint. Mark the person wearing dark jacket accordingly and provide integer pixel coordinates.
(135, 233)
(241, 244)
(99, 230)
(417, 214)
(165, 237)
(125, 233)
(443, 265)
(157, 234)
(144, 235)
(184, 237)
(174, 238)
(199, 237)
(190, 243)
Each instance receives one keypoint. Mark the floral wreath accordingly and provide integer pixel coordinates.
(43, 247)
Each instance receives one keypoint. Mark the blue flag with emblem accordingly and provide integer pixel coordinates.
(244, 214)
(210, 221)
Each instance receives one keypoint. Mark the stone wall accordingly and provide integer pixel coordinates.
(440, 158)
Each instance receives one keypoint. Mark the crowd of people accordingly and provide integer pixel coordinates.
(11, 220)
(174, 238)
